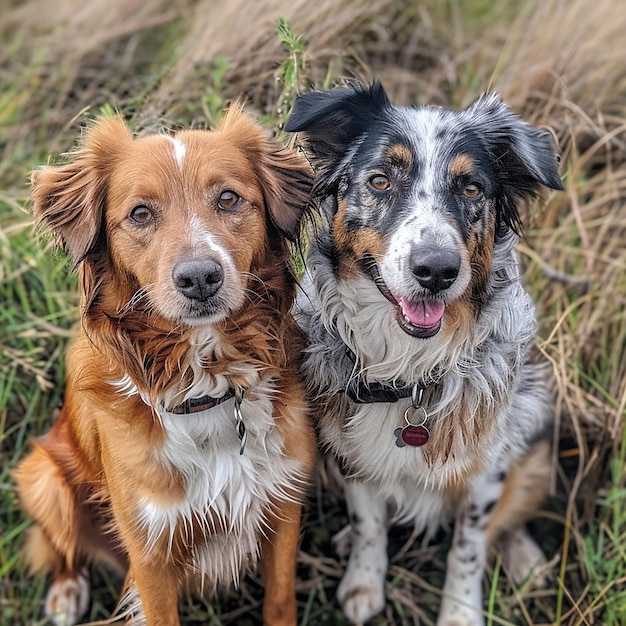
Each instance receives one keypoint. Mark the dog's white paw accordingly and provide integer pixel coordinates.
(361, 594)
(460, 606)
(531, 566)
(453, 613)
(362, 588)
(67, 600)
(524, 559)
(360, 602)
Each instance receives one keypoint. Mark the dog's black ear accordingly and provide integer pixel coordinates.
(333, 120)
(521, 149)
(523, 156)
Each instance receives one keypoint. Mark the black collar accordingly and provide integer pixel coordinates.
(362, 392)
(195, 405)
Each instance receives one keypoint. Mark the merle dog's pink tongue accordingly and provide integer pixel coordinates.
(423, 312)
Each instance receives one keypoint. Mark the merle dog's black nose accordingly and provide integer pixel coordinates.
(198, 279)
(435, 270)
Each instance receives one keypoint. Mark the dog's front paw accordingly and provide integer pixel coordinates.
(524, 560)
(67, 600)
(362, 599)
(457, 613)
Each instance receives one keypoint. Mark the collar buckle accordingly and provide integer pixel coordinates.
(196, 405)
(204, 403)
(240, 426)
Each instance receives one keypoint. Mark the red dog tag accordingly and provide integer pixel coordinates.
(410, 435)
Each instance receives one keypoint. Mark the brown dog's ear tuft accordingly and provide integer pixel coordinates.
(285, 175)
(69, 199)
(287, 181)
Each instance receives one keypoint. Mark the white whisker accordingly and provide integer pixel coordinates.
(138, 297)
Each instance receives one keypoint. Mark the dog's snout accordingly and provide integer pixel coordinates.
(198, 279)
(436, 270)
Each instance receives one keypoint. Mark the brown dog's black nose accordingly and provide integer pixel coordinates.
(198, 279)
(435, 270)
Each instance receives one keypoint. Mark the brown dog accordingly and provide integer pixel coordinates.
(183, 446)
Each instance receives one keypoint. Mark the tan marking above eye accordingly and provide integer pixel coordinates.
(380, 182)
(400, 155)
(461, 165)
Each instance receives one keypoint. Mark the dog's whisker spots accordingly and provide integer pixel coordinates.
(137, 298)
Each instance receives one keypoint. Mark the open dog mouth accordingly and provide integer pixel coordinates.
(418, 318)
(421, 318)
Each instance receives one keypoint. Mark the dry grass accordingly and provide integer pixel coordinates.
(558, 62)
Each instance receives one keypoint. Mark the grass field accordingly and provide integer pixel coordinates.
(560, 63)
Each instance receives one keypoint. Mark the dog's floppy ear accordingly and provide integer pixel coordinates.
(530, 151)
(523, 156)
(332, 120)
(287, 181)
(285, 176)
(69, 198)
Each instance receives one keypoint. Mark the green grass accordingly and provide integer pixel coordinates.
(605, 547)
(574, 257)
(38, 304)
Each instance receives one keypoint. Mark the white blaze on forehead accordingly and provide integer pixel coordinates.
(426, 223)
(429, 141)
(425, 131)
(179, 151)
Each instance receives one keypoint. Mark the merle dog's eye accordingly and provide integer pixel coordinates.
(141, 215)
(472, 190)
(380, 182)
(229, 200)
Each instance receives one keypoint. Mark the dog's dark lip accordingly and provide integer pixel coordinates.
(206, 313)
(420, 331)
(374, 273)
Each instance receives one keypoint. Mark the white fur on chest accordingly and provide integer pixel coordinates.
(401, 475)
(366, 323)
(226, 493)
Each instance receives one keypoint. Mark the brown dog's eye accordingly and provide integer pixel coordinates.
(141, 215)
(229, 200)
(472, 190)
(380, 182)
